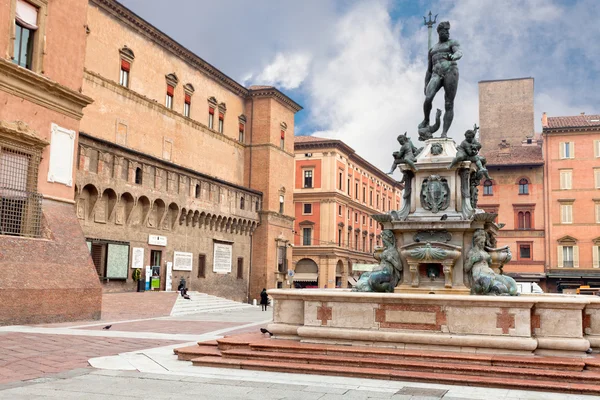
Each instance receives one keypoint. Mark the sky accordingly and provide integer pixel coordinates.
(358, 66)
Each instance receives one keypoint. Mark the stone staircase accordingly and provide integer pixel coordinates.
(258, 352)
(202, 302)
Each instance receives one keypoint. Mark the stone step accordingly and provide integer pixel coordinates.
(418, 366)
(191, 352)
(288, 346)
(405, 375)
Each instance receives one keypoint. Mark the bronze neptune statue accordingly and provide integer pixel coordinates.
(442, 71)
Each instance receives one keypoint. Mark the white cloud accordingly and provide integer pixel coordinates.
(287, 71)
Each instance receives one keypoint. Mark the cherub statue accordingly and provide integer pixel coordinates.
(468, 150)
(407, 154)
(426, 132)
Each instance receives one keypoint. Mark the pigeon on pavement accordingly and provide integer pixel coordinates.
(107, 327)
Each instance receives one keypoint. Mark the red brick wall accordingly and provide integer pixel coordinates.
(51, 279)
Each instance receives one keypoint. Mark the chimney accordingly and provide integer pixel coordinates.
(544, 120)
(583, 113)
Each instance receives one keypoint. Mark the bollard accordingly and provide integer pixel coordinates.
(254, 302)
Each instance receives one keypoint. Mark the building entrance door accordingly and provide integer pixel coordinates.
(155, 259)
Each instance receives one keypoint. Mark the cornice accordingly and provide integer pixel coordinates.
(19, 131)
(127, 16)
(40, 90)
(273, 92)
(572, 129)
(338, 197)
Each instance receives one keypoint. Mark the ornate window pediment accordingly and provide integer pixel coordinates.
(567, 241)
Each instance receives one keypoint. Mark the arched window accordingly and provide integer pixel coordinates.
(138, 176)
(487, 188)
(524, 218)
(524, 186)
(197, 191)
(242, 203)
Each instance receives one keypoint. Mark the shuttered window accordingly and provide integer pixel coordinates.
(566, 179)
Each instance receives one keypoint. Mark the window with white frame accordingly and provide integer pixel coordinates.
(597, 148)
(567, 150)
(597, 178)
(221, 122)
(308, 178)
(187, 104)
(567, 252)
(211, 117)
(566, 213)
(566, 179)
(281, 201)
(488, 188)
(596, 253)
(597, 207)
(306, 236)
(26, 33)
(124, 74)
(169, 96)
(307, 208)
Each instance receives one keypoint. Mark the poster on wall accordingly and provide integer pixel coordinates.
(137, 257)
(222, 258)
(182, 261)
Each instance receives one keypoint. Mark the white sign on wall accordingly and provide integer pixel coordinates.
(137, 257)
(182, 261)
(222, 258)
(169, 283)
(62, 147)
(157, 240)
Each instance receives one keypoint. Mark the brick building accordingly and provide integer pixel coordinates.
(45, 270)
(179, 165)
(572, 181)
(335, 193)
(516, 165)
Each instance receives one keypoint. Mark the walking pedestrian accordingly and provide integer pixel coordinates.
(264, 299)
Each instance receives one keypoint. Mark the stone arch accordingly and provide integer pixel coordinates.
(170, 220)
(124, 208)
(89, 194)
(107, 203)
(182, 216)
(189, 217)
(228, 224)
(195, 218)
(139, 214)
(341, 275)
(157, 213)
(202, 220)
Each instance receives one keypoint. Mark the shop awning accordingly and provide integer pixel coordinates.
(305, 277)
(363, 267)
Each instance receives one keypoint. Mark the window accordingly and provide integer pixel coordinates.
(389, 205)
(242, 201)
(356, 241)
(348, 213)
(567, 252)
(487, 188)
(377, 204)
(221, 122)
(308, 178)
(186, 105)
(566, 213)
(306, 239)
(282, 140)
(597, 148)
(257, 206)
(169, 97)
(356, 190)
(110, 259)
(340, 180)
(566, 179)
(201, 266)
(340, 237)
(281, 204)
(282, 259)
(364, 194)
(371, 197)
(371, 222)
(524, 220)
(211, 117)
(364, 220)
(596, 254)
(364, 243)
(139, 176)
(348, 240)
(383, 204)
(124, 75)
(597, 178)
(197, 191)
(340, 211)
(242, 129)
(524, 186)
(348, 186)
(370, 245)
(355, 217)
(567, 150)
(597, 207)
(307, 208)
(20, 204)
(240, 268)
(524, 251)
(26, 26)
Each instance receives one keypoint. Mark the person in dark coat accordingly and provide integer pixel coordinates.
(264, 299)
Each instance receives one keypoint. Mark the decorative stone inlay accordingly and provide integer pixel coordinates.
(505, 321)
(324, 313)
(536, 322)
(435, 314)
(586, 322)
